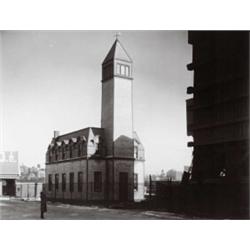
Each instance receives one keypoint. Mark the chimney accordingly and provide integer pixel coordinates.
(56, 133)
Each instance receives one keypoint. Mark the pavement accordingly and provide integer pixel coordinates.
(30, 210)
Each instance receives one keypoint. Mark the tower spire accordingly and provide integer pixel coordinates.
(117, 52)
(117, 35)
(117, 113)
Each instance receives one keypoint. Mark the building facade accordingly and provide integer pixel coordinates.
(218, 112)
(9, 172)
(104, 163)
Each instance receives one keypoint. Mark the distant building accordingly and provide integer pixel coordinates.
(24, 170)
(35, 174)
(173, 175)
(218, 113)
(41, 174)
(9, 172)
(104, 163)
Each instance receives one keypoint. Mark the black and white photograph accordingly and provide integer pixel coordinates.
(125, 125)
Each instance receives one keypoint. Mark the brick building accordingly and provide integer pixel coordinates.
(104, 163)
(218, 113)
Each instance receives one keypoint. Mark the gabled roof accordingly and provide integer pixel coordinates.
(117, 51)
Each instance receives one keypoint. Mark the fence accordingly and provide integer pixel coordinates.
(29, 190)
(212, 200)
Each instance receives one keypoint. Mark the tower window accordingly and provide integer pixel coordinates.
(118, 69)
(122, 70)
(127, 70)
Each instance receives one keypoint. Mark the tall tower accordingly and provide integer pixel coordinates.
(117, 111)
(117, 121)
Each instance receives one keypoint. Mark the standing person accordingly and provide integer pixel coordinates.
(43, 204)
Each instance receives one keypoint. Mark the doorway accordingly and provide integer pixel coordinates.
(123, 186)
(9, 187)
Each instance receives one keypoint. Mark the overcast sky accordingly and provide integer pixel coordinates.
(52, 81)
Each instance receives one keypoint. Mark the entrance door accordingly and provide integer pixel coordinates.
(9, 187)
(123, 186)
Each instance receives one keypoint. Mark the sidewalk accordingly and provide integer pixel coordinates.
(7, 198)
(30, 210)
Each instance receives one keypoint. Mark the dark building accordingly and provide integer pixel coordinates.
(218, 113)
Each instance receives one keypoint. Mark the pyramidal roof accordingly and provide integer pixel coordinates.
(117, 51)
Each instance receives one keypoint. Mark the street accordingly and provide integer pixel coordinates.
(30, 210)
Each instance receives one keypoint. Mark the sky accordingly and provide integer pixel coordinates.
(51, 80)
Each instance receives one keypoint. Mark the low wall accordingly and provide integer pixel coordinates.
(28, 190)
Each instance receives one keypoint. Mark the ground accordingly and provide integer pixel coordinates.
(30, 210)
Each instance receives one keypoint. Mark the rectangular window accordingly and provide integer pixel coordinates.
(122, 70)
(66, 152)
(71, 182)
(80, 181)
(50, 182)
(56, 181)
(135, 181)
(127, 70)
(97, 181)
(63, 182)
(79, 150)
(118, 69)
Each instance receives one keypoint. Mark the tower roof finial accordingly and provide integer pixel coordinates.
(117, 34)
(117, 51)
